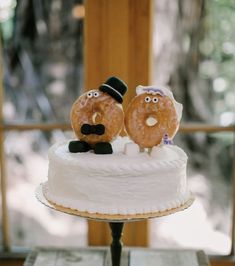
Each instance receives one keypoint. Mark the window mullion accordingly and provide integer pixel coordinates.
(5, 220)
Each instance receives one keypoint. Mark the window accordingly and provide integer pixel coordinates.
(193, 52)
(41, 82)
(43, 72)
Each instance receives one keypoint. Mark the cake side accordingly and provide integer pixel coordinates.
(117, 183)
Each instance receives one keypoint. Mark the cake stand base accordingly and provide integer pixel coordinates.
(116, 222)
(116, 245)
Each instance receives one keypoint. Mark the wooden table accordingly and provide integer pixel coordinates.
(102, 257)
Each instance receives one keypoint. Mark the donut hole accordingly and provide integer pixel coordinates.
(96, 117)
(151, 121)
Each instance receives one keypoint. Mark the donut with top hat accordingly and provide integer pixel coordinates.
(97, 117)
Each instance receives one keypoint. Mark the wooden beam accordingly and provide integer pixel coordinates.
(201, 127)
(11, 262)
(3, 179)
(20, 262)
(184, 128)
(118, 42)
(233, 194)
(106, 44)
(222, 263)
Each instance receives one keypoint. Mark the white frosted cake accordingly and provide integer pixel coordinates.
(118, 183)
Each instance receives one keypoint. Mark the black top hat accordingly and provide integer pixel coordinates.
(115, 87)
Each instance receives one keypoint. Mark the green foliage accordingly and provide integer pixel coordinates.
(218, 51)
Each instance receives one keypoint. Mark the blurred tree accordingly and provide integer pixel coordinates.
(196, 56)
(43, 60)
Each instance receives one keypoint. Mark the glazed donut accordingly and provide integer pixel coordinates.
(97, 108)
(150, 115)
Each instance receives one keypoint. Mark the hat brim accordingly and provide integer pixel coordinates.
(112, 93)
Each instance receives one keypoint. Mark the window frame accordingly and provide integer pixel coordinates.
(90, 80)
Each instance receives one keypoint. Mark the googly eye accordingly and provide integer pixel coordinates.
(96, 94)
(89, 95)
(155, 100)
(147, 99)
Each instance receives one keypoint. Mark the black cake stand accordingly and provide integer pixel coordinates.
(116, 222)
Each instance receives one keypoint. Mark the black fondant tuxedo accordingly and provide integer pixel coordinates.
(83, 146)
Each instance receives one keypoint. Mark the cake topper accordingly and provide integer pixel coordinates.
(149, 90)
(166, 140)
(151, 114)
(97, 117)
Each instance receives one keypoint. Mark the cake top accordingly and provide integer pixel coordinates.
(163, 157)
(152, 117)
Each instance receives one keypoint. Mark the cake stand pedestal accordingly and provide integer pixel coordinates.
(116, 222)
(116, 245)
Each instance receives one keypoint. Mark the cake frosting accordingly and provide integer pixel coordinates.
(118, 183)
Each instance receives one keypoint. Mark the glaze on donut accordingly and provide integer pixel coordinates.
(149, 117)
(96, 107)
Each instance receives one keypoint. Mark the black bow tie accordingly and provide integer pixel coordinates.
(87, 129)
